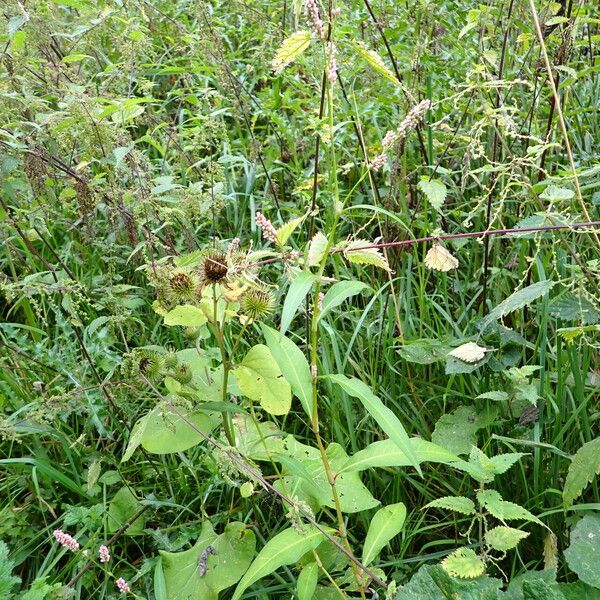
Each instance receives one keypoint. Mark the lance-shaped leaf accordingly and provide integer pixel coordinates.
(295, 296)
(386, 523)
(339, 292)
(383, 416)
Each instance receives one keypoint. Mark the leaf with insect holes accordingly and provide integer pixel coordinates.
(504, 538)
(260, 379)
(469, 352)
(285, 231)
(317, 249)
(440, 259)
(460, 504)
(503, 510)
(435, 191)
(356, 252)
(198, 573)
(582, 470)
(583, 553)
(457, 431)
(463, 563)
(291, 48)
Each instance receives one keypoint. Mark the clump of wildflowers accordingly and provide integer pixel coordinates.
(378, 162)
(412, 119)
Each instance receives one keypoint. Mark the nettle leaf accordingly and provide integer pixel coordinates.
(286, 548)
(382, 415)
(457, 431)
(424, 352)
(583, 553)
(572, 307)
(541, 590)
(121, 508)
(260, 379)
(356, 252)
(285, 231)
(291, 48)
(374, 61)
(502, 462)
(435, 190)
(463, 563)
(582, 470)
(307, 581)
(222, 566)
(504, 538)
(519, 299)
(492, 501)
(186, 315)
(339, 292)
(293, 364)
(460, 504)
(495, 396)
(386, 523)
(316, 249)
(553, 192)
(299, 288)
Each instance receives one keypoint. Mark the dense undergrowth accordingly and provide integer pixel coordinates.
(232, 367)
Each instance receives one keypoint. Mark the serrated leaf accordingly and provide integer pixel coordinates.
(519, 299)
(382, 415)
(440, 259)
(469, 352)
(374, 61)
(582, 470)
(338, 292)
(583, 553)
(291, 48)
(386, 523)
(285, 231)
(293, 365)
(504, 510)
(504, 538)
(316, 249)
(502, 462)
(186, 315)
(571, 307)
(463, 563)
(435, 190)
(260, 379)
(355, 252)
(460, 504)
(553, 192)
(457, 431)
(494, 395)
(297, 292)
(285, 548)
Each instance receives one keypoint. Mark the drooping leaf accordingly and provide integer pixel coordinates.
(358, 253)
(553, 192)
(293, 365)
(469, 352)
(285, 548)
(583, 553)
(424, 352)
(213, 564)
(502, 509)
(374, 61)
(518, 299)
(435, 190)
(186, 315)
(504, 538)
(386, 523)
(382, 415)
(339, 292)
(291, 48)
(121, 508)
(299, 287)
(463, 563)
(582, 470)
(259, 378)
(307, 581)
(460, 504)
(440, 259)
(317, 249)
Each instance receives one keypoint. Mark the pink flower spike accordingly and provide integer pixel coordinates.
(123, 586)
(104, 554)
(268, 229)
(65, 540)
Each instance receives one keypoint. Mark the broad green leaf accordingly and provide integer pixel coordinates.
(160, 585)
(424, 352)
(227, 560)
(457, 431)
(502, 462)
(572, 307)
(293, 365)
(386, 523)
(504, 538)
(259, 378)
(517, 300)
(504, 510)
(435, 190)
(285, 231)
(382, 415)
(307, 581)
(582, 470)
(186, 315)
(358, 253)
(285, 548)
(339, 292)
(387, 454)
(121, 508)
(583, 553)
(540, 590)
(463, 563)
(459, 504)
(299, 288)
(292, 47)
(494, 395)
(553, 192)
(316, 249)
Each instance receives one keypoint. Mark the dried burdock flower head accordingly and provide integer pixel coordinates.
(182, 285)
(213, 268)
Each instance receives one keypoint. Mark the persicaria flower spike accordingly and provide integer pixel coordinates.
(378, 162)
(123, 586)
(412, 119)
(104, 553)
(65, 540)
(332, 63)
(314, 18)
(268, 229)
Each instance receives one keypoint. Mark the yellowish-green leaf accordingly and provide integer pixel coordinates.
(186, 315)
(356, 252)
(285, 231)
(504, 538)
(375, 62)
(463, 563)
(291, 48)
(316, 249)
(460, 504)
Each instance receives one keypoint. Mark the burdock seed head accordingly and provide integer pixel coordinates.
(257, 303)
(213, 268)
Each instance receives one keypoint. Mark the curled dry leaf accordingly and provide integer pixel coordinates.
(469, 352)
(439, 259)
